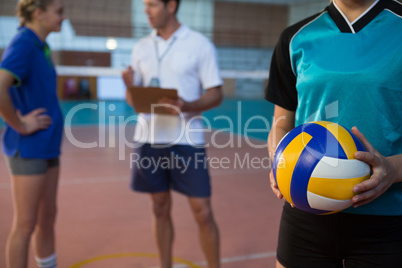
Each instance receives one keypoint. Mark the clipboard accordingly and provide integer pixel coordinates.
(142, 98)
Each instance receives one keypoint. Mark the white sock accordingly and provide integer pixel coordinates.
(48, 262)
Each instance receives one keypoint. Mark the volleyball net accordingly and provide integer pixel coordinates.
(97, 38)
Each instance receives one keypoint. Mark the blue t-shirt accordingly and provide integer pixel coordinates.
(27, 58)
(325, 68)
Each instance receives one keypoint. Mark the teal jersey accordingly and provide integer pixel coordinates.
(325, 68)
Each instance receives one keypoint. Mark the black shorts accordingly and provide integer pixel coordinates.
(339, 240)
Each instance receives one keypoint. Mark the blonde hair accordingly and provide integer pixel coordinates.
(26, 8)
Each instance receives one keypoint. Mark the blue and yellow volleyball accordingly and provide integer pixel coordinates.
(315, 168)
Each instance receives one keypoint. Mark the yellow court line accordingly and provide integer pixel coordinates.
(129, 255)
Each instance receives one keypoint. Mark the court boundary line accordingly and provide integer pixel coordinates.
(256, 256)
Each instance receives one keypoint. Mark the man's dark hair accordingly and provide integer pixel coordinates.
(177, 1)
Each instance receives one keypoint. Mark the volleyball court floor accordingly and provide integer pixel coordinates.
(102, 223)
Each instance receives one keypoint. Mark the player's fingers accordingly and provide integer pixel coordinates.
(45, 120)
(37, 111)
(363, 139)
(367, 185)
(274, 186)
(365, 198)
(276, 191)
(369, 158)
(374, 187)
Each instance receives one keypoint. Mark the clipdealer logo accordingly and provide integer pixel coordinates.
(198, 161)
(112, 134)
(112, 129)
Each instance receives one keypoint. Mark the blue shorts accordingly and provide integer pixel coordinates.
(339, 240)
(183, 168)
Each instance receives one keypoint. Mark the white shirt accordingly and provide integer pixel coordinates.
(189, 64)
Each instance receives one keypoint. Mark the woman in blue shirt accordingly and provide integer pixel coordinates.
(34, 125)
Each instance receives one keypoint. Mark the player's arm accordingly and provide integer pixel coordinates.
(283, 122)
(26, 124)
(7, 110)
(396, 161)
(385, 172)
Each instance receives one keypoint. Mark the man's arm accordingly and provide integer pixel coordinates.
(210, 99)
(128, 79)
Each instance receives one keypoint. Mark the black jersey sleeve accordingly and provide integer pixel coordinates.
(281, 89)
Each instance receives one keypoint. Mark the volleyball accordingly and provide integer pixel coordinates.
(315, 168)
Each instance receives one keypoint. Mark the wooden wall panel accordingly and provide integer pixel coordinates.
(90, 17)
(8, 7)
(110, 18)
(242, 24)
(82, 58)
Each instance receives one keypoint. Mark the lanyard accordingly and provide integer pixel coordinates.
(160, 58)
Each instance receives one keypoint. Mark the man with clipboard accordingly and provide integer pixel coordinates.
(174, 57)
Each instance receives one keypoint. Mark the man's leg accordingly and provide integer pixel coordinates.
(163, 226)
(208, 230)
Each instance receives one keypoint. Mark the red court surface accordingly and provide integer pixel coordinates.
(102, 223)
